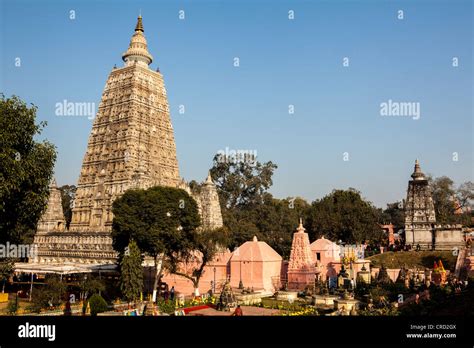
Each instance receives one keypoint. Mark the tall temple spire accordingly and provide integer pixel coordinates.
(301, 266)
(419, 211)
(138, 49)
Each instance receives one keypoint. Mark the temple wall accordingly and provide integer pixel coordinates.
(185, 286)
(256, 274)
(449, 238)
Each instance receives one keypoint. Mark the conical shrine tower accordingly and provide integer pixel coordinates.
(421, 229)
(302, 266)
(420, 216)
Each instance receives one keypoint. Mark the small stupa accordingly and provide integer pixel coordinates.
(302, 266)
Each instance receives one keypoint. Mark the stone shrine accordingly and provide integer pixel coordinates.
(419, 211)
(53, 218)
(421, 229)
(302, 266)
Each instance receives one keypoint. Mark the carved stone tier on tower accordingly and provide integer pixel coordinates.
(302, 265)
(208, 204)
(52, 219)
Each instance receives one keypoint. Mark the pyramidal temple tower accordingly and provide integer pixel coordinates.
(421, 229)
(302, 266)
(419, 211)
(131, 145)
(208, 204)
(53, 218)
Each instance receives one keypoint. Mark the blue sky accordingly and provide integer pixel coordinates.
(282, 62)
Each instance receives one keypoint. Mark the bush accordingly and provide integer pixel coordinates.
(12, 307)
(97, 304)
(51, 295)
(166, 306)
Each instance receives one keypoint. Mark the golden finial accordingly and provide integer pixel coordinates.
(139, 26)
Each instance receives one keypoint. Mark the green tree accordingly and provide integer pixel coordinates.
(344, 215)
(91, 285)
(97, 304)
(131, 272)
(206, 243)
(162, 221)
(443, 193)
(465, 194)
(275, 221)
(26, 169)
(449, 201)
(12, 307)
(241, 183)
(248, 209)
(6, 271)
(465, 202)
(395, 214)
(278, 220)
(52, 294)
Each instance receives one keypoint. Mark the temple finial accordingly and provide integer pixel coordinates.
(137, 50)
(209, 178)
(301, 227)
(417, 173)
(417, 166)
(139, 26)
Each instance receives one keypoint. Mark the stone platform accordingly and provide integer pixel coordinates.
(246, 310)
(251, 299)
(286, 295)
(324, 300)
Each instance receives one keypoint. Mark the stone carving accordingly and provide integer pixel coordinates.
(52, 219)
(208, 204)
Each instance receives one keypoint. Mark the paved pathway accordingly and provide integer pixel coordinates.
(247, 310)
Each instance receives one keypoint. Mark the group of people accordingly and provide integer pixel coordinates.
(169, 294)
(458, 285)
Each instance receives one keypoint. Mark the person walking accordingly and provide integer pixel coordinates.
(172, 293)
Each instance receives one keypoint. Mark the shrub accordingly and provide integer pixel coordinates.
(12, 307)
(166, 306)
(97, 304)
(51, 295)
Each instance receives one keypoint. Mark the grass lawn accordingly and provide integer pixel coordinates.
(420, 259)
